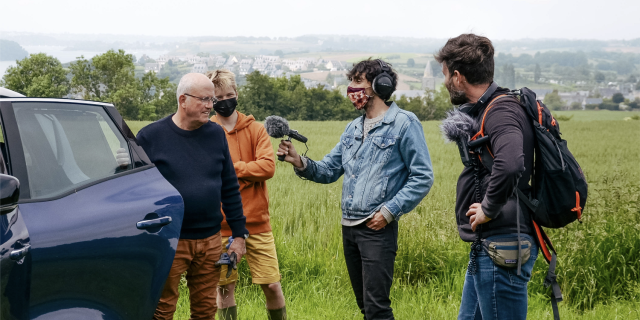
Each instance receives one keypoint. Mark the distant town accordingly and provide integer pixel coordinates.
(566, 74)
(274, 66)
(309, 69)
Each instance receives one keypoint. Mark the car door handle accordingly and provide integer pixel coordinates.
(153, 223)
(20, 253)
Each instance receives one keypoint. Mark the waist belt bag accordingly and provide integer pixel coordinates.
(504, 252)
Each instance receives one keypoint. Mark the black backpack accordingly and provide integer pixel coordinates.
(559, 188)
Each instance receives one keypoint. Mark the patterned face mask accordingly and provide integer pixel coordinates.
(357, 97)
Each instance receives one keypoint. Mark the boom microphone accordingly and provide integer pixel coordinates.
(459, 127)
(278, 127)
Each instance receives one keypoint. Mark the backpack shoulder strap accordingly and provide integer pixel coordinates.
(551, 279)
(484, 116)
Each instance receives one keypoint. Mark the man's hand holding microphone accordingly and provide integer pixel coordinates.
(287, 149)
(278, 127)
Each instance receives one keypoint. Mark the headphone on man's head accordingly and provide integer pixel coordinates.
(382, 84)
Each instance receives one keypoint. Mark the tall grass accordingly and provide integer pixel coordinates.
(599, 260)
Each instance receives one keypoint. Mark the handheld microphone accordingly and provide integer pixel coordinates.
(278, 127)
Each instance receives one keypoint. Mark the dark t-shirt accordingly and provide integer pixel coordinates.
(198, 164)
(512, 143)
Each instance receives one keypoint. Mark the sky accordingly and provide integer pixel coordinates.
(496, 19)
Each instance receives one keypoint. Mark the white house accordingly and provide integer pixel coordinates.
(220, 61)
(151, 67)
(161, 61)
(199, 68)
(268, 58)
(260, 65)
(335, 65)
(231, 61)
(244, 69)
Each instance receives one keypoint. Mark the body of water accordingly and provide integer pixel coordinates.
(67, 56)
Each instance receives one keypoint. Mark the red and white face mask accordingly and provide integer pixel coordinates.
(358, 97)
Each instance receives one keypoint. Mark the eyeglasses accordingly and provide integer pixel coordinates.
(205, 100)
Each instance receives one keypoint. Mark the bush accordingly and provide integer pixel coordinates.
(552, 101)
(617, 98)
(563, 117)
(608, 105)
(263, 96)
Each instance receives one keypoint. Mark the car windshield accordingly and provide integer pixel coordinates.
(67, 145)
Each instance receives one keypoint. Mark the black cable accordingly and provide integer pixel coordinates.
(476, 246)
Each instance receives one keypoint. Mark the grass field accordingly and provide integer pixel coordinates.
(599, 260)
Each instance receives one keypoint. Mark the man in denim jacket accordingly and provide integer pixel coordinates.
(387, 172)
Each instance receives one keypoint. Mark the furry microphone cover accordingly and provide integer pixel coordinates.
(458, 126)
(277, 127)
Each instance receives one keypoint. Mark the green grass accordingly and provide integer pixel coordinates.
(599, 260)
(581, 115)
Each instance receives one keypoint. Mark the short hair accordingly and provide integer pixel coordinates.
(371, 68)
(185, 85)
(222, 78)
(471, 55)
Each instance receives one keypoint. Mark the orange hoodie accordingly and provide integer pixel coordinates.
(254, 161)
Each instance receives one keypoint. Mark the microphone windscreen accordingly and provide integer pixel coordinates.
(277, 127)
(458, 126)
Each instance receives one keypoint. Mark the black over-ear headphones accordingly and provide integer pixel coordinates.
(472, 108)
(382, 84)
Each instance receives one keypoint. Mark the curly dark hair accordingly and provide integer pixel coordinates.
(370, 69)
(471, 55)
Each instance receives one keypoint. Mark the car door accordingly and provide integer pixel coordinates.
(15, 259)
(103, 233)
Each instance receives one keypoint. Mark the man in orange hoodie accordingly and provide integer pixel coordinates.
(253, 159)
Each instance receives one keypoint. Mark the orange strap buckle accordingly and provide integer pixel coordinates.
(578, 209)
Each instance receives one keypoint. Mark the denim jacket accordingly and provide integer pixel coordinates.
(391, 167)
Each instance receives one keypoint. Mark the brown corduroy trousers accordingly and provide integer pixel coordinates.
(197, 257)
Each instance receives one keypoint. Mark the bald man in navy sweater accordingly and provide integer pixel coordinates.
(191, 152)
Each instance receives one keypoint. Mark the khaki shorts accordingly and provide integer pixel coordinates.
(262, 259)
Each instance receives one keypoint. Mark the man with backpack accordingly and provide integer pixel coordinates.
(488, 211)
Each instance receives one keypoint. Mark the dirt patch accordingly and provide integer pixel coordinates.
(406, 78)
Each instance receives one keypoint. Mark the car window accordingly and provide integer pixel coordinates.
(3, 153)
(68, 145)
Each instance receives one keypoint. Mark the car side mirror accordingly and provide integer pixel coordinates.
(9, 193)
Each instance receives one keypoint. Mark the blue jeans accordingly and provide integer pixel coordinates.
(497, 293)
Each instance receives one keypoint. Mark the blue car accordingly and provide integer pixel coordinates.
(88, 225)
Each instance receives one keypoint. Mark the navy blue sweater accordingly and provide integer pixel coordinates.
(198, 164)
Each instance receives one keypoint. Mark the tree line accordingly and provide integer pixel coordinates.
(110, 77)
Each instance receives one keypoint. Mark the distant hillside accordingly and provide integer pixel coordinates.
(305, 43)
(10, 51)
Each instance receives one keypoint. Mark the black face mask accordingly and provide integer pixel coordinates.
(226, 107)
